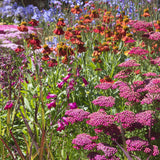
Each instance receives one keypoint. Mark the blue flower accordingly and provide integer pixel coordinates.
(6, 2)
(20, 12)
(30, 10)
(7, 11)
(37, 14)
(48, 16)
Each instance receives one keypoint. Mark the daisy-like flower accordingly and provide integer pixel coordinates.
(52, 63)
(76, 10)
(61, 22)
(58, 30)
(94, 14)
(33, 22)
(19, 49)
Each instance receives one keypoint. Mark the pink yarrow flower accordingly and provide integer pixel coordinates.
(104, 86)
(104, 101)
(136, 144)
(100, 118)
(84, 140)
(75, 115)
(126, 118)
(138, 51)
(108, 150)
(129, 63)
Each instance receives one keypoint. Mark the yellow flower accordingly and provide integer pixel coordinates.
(126, 52)
(83, 85)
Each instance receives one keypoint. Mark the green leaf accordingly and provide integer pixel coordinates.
(27, 105)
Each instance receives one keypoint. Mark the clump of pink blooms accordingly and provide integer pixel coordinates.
(129, 63)
(75, 115)
(104, 86)
(155, 36)
(104, 101)
(138, 51)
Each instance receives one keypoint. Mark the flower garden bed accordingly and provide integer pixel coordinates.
(82, 83)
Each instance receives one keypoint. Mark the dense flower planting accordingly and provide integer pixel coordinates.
(80, 80)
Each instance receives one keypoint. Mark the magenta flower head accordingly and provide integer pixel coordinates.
(67, 77)
(73, 105)
(84, 81)
(65, 120)
(62, 123)
(77, 70)
(51, 96)
(9, 105)
(52, 104)
(60, 85)
(61, 126)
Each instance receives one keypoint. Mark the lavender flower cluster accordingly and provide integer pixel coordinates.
(16, 13)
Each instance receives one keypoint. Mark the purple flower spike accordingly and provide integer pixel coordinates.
(73, 105)
(51, 96)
